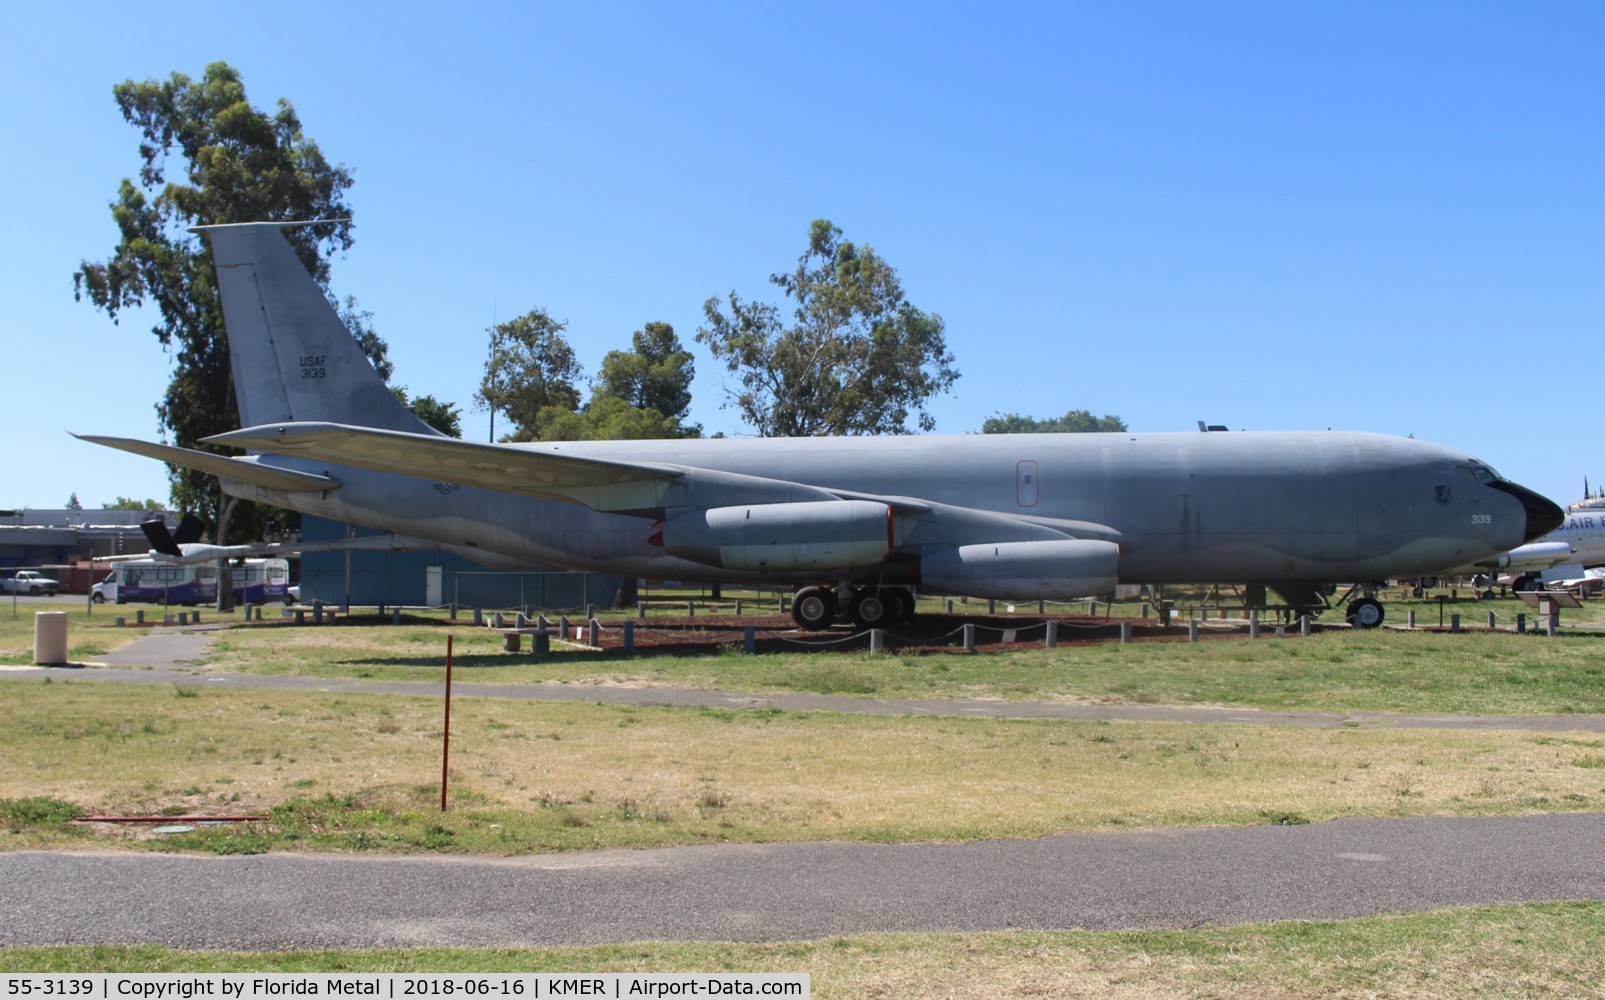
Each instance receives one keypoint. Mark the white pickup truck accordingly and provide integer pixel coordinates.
(30, 582)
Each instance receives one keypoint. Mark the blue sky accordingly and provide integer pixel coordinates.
(1371, 216)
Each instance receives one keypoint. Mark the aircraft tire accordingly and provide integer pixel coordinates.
(905, 605)
(875, 608)
(1524, 583)
(813, 608)
(1366, 612)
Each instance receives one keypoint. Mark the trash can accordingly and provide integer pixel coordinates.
(50, 637)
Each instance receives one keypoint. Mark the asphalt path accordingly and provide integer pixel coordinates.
(1172, 878)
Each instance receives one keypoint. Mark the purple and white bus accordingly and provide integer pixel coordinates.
(147, 581)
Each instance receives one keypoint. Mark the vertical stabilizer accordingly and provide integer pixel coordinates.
(292, 357)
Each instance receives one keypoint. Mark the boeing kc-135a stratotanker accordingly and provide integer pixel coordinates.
(851, 522)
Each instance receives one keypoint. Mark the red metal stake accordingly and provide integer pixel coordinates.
(445, 746)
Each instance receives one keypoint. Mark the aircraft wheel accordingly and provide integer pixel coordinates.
(873, 608)
(905, 604)
(1365, 613)
(813, 608)
(1524, 583)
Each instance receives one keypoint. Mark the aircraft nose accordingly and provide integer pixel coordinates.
(1543, 514)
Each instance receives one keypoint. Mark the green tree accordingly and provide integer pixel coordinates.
(125, 503)
(604, 418)
(858, 357)
(531, 367)
(237, 164)
(443, 417)
(1073, 422)
(73, 503)
(655, 374)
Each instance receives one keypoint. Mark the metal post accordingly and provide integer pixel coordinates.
(969, 637)
(593, 633)
(1454, 624)
(1051, 640)
(1253, 624)
(445, 743)
(991, 607)
(1125, 631)
(1303, 624)
(738, 607)
(1521, 624)
(1491, 620)
(877, 641)
(690, 609)
(1410, 619)
(1192, 630)
(629, 636)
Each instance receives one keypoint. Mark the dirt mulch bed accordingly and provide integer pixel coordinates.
(927, 633)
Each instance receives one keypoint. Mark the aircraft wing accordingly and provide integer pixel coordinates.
(596, 483)
(630, 487)
(245, 470)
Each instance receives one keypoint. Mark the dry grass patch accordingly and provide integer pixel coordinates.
(1498, 951)
(363, 771)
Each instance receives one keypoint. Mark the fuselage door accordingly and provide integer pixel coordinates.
(1026, 483)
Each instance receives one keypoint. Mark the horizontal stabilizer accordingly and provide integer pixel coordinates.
(245, 470)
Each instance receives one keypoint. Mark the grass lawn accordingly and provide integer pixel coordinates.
(1498, 952)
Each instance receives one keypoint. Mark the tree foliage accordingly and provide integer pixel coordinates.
(443, 417)
(532, 377)
(857, 358)
(655, 374)
(531, 367)
(604, 418)
(232, 163)
(127, 503)
(1074, 421)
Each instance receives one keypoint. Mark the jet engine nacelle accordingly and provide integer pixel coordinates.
(1534, 555)
(1047, 570)
(821, 535)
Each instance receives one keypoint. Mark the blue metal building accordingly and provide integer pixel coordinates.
(433, 578)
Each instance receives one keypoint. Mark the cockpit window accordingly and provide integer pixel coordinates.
(1478, 473)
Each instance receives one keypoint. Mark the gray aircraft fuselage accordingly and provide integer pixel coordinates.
(1266, 507)
(1013, 516)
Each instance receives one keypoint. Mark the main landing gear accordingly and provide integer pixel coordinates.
(815, 608)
